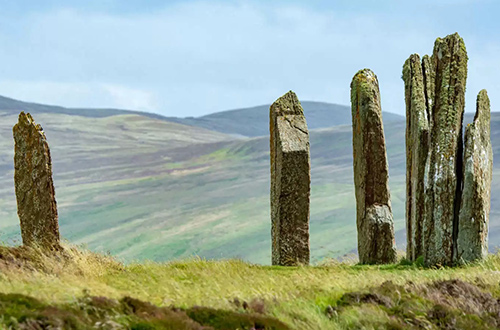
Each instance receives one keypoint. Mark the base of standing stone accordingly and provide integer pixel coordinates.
(378, 244)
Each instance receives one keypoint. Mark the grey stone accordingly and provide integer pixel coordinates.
(376, 243)
(36, 203)
(290, 182)
(472, 241)
(417, 150)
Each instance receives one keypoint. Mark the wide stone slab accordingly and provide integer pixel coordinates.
(290, 182)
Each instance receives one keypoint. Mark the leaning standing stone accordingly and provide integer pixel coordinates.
(290, 182)
(472, 242)
(36, 203)
(376, 242)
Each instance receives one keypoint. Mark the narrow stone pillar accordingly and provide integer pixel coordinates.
(290, 182)
(443, 187)
(376, 242)
(417, 149)
(36, 202)
(472, 242)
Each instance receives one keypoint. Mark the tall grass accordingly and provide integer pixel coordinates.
(298, 296)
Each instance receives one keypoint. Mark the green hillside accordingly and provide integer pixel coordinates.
(249, 122)
(143, 188)
(254, 121)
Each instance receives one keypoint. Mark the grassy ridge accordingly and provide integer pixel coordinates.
(331, 295)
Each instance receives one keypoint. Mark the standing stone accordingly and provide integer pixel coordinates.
(36, 203)
(290, 182)
(443, 188)
(376, 243)
(472, 242)
(417, 148)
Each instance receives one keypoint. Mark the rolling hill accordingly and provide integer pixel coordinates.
(254, 121)
(248, 122)
(147, 188)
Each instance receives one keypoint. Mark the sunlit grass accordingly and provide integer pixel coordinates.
(297, 296)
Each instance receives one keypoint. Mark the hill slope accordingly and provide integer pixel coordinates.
(247, 122)
(143, 188)
(254, 121)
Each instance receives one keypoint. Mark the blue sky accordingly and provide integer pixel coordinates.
(189, 58)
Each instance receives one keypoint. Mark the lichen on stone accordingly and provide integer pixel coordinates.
(375, 227)
(35, 194)
(290, 182)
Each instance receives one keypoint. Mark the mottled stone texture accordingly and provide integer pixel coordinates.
(472, 241)
(36, 203)
(443, 186)
(448, 190)
(290, 182)
(376, 243)
(417, 149)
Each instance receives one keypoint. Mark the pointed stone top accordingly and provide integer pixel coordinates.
(287, 104)
(482, 108)
(26, 120)
(451, 38)
(452, 43)
(413, 60)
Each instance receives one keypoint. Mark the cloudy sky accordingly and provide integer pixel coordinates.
(189, 58)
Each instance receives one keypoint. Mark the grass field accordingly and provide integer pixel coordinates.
(79, 287)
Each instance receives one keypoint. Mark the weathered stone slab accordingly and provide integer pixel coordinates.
(376, 243)
(443, 187)
(417, 149)
(472, 242)
(36, 203)
(290, 182)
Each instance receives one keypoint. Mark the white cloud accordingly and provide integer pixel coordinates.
(199, 57)
(128, 98)
(78, 94)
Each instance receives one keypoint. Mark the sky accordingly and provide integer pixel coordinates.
(190, 58)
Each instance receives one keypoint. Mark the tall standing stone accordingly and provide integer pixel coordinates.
(443, 188)
(290, 182)
(472, 242)
(36, 203)
(417, 149)
(376, 242)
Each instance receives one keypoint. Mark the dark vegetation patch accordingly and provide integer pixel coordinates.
(23, 312)
(450, 304)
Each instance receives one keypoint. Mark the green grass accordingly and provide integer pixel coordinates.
(331, 295)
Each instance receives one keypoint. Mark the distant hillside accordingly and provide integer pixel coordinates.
(255, 121)
(11, 106)
(144, 188)
(247, 122)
